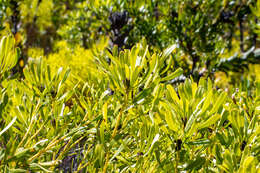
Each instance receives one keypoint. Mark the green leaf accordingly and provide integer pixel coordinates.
(207, 101)
(134, 75)
(169, 118)
(168, 66)
(133, 58)
(196, 164)
(221, 138)
(155, 139)
(8, 126)
(18, 170)
(220, 100)
(143, 94)
(8, 53)
(175, 74)
(218, 153)
(21, 152)
(212, 120)
(104, 111)
(101, 131)
(66, 75)
(172, 93)
(169, 50)
(117, 152)
(194, 116)
(36, 166)
(249, 165)
(200, 142)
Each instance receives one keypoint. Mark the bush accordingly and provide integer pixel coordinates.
(126, 117)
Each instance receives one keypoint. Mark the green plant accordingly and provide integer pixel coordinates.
(96, 96)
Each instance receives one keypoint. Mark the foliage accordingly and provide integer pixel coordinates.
(129, 86)
(8, 54)
(204, 31)
(127, 117)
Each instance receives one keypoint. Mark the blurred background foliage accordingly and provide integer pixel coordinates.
(212, 36)
(129, 85)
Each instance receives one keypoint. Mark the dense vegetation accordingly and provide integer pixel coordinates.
(130, 86)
